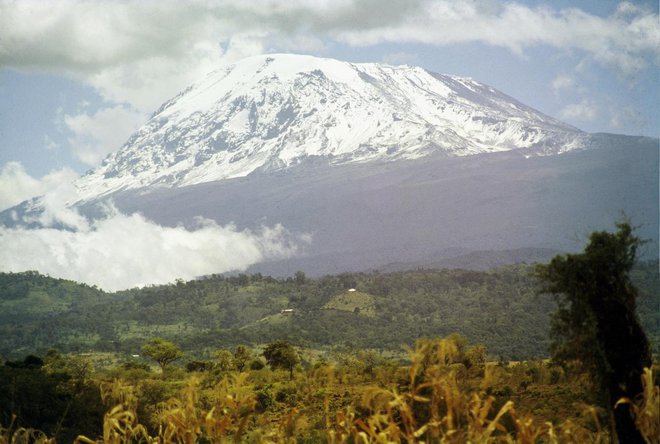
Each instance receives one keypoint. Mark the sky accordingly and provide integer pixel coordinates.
(77, 77)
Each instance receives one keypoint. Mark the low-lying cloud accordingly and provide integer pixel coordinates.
(122, 251)
(16, 185)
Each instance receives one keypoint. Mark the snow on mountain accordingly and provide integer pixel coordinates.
(274, 111)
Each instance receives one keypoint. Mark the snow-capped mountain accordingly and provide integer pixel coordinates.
(274, 111)
(383, 165)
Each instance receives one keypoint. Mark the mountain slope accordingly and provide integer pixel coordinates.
(273, 111)
(364, 216)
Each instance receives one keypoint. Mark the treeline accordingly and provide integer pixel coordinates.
(500, 308)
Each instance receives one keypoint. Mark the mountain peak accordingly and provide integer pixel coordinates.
(277, 110)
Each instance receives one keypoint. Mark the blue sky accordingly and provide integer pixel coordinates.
(78, 76)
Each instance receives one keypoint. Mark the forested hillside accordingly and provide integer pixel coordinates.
(500, 308)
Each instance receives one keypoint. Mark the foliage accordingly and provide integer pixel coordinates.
(224, 360)
(596, 322)
(198, 366)
(241, 358)
(161, 351)
(498, 308)
(55, 393)
(280, 354)
(14, 434)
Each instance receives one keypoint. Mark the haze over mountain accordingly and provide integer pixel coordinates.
(365, 165)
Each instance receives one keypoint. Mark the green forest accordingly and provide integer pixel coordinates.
(501, 308)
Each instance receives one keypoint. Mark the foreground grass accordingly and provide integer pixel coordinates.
(438, 397)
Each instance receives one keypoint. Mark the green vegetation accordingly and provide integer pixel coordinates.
(596, 323)
(500, 308)
(281, 354)
(161, 351)
(56, 394)
(30, 295)
(353, 301)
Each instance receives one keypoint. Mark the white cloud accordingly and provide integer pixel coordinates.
(562, 82)
(50, 144)
(93, 136)
(134, 52)
(582, 111)
(305, 44)
(119, 251)
(16, 185)
(142, 53)
(146, 83)
(620, 40)
(122, 251)
(86, 36)
(628, 117)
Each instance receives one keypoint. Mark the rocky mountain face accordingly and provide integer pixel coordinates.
(271, 112)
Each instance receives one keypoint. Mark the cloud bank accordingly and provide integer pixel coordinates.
(144, 52)
(123, 251)
(584, 111)
(16, 185)
(625, 39)
(120, 251)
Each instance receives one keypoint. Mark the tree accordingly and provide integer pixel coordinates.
(280, 354)
(161, 351)
(241, 358)
(224, 360)
(54, 395)
(596, 322)
(300, 277)
(474, 359)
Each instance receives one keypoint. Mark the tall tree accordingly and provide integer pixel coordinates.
(596, 321)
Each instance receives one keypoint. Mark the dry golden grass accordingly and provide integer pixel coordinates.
(429, 404)
(647, 408)
(21, 435)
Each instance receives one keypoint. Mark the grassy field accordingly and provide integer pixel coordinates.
(443, 391)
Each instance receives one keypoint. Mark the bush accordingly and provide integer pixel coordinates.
(265, 398)
(199, 366)
(257, 364)
(288, 395)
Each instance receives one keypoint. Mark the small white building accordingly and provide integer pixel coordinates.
(286, 311)
(350, 290)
